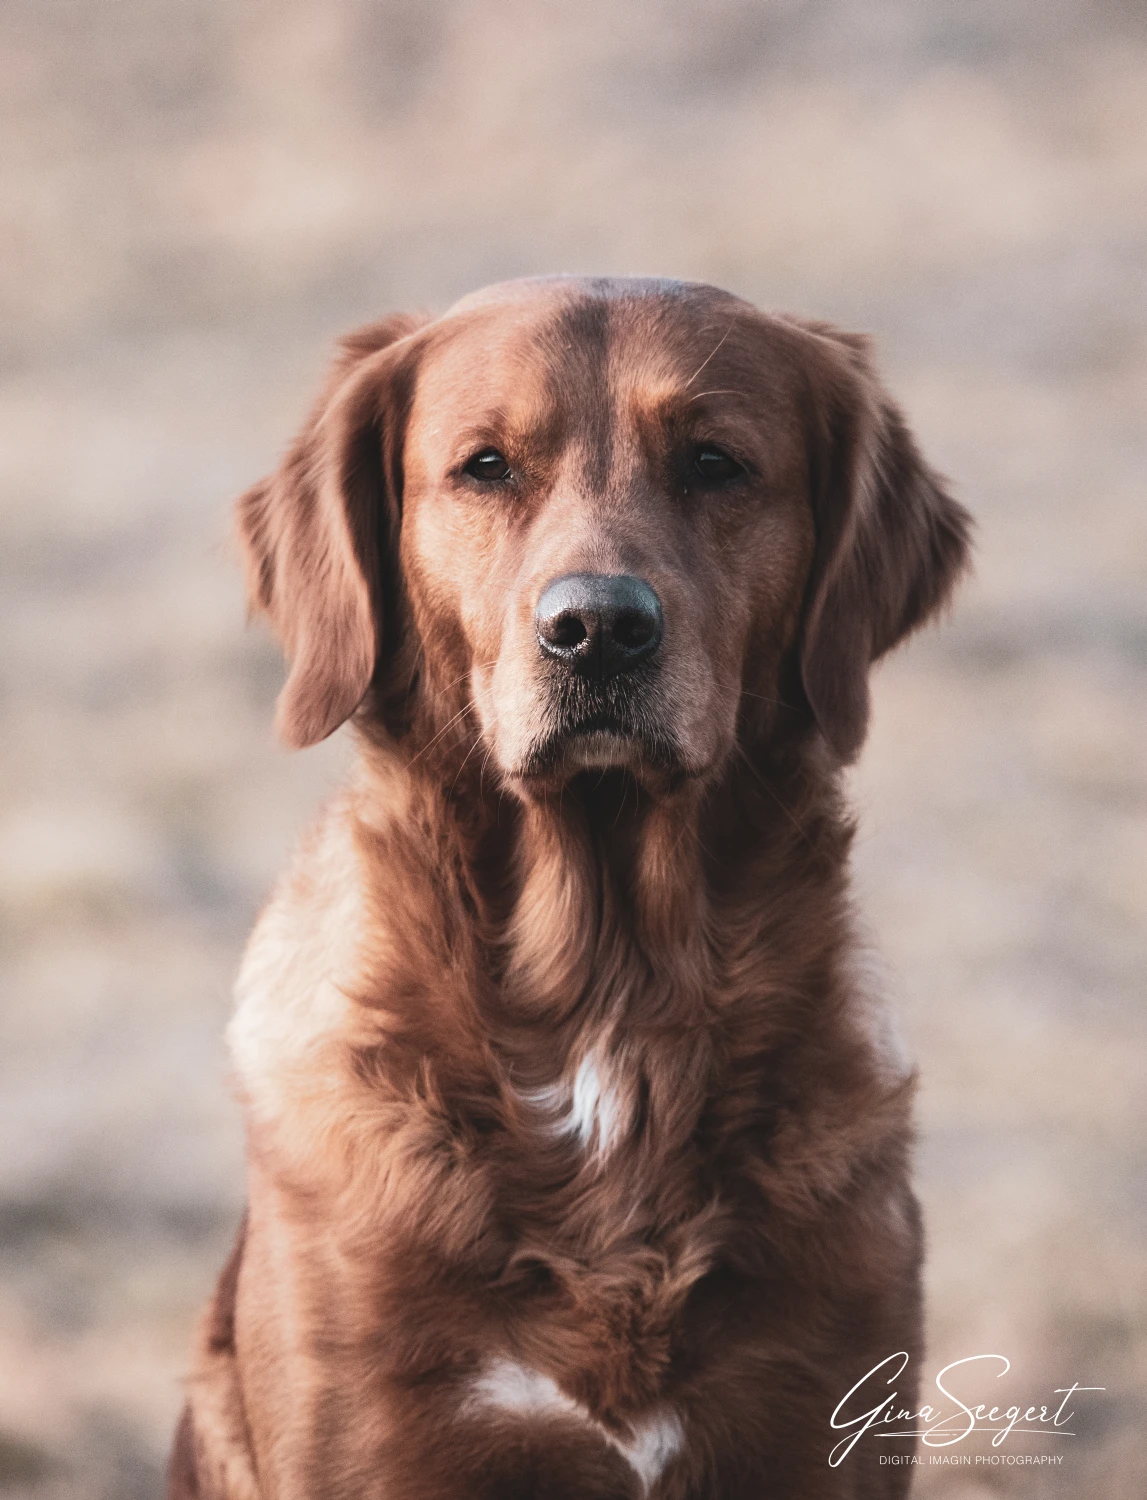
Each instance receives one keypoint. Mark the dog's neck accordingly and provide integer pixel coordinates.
(585, 962)
(548, 892)
(597, 927)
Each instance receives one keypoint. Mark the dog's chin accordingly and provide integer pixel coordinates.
(603, 750)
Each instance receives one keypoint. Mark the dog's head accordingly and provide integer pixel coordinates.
(623, 523)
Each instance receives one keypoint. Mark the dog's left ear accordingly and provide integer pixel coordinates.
(313, 535)
(890, 541)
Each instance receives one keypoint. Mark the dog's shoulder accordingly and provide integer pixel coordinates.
(294, 1006)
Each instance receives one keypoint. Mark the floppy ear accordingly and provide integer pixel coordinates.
(312, 537)
(891, 542)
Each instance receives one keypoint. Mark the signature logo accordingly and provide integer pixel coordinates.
(871, 1410)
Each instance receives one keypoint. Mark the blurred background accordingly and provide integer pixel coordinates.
(198, 197)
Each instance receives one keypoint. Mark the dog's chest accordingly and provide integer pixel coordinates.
(604, 1230)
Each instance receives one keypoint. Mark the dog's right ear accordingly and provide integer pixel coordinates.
(312, 535)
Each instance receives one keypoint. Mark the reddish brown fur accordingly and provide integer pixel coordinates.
(478, 912)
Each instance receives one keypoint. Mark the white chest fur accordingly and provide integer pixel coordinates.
(507, 1386)
(592, 1108)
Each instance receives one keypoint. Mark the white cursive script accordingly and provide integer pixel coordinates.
(940, 1427)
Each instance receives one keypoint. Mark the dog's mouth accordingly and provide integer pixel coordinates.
(607, 730)
(599, 742)
(600, 747)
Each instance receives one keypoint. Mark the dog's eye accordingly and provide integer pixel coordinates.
(714, 465)
(489, 466)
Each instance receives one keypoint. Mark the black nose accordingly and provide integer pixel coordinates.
(599, 624)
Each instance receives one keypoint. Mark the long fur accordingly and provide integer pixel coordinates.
(579, 1147)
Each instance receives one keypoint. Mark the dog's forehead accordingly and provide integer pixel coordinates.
(524, 348)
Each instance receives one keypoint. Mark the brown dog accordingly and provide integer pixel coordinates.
(579, 1156)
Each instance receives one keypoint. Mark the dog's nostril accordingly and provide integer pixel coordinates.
(633, 630)
(566, 630)
(598, 624)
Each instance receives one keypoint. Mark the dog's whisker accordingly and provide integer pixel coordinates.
(462, 676)
(764, 785)
(462, 712)
(777, 702)
(482, 769)
(490, 728)
(710, 355)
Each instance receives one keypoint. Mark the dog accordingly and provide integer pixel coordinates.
(579, 1143)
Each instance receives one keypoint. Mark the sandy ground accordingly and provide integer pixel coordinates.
(202, 195)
